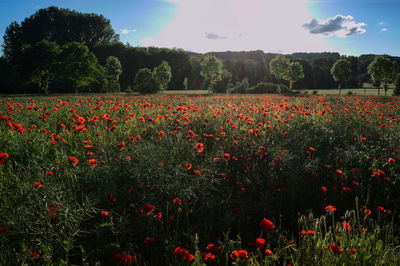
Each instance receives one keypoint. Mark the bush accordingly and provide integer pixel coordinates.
(240, 87)
(264, 87)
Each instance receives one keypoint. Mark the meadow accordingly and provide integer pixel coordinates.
(180, 180)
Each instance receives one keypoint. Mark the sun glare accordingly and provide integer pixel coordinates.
(222, 25)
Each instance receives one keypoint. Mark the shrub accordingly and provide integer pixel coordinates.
(240, 87)
(264, 87)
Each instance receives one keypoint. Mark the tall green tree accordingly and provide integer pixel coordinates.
(279, 66)
(78, 67)
(382, 71)
(144, 82)
(113, 69)
(211, 70)
(38, 64)
(295, 73)
(162, 76)
(57, 25)
(341, 72)
(282, 68)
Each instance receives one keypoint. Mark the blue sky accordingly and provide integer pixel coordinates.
(350, 27)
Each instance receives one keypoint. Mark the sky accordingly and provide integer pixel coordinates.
(350, 27)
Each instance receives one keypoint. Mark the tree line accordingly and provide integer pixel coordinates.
(59, 50)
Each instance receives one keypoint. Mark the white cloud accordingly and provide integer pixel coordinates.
(126, 31)
(221, 25)
(382, 23)
(384, 29)
(339, 25)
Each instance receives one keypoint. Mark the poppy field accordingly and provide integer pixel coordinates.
(180, 180)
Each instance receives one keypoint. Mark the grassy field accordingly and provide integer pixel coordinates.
(180, 180)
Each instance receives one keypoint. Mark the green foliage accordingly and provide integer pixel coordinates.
(78, 67)
(322, 72)
(382, 71)
(265, 87)
(279, 67)
(113, 69)
(211, 70)
(162, 76)
(224, 84)
(45, 65)
(269, 157)
(39, 64)
(57, 25)
(396, 90)
(295, 73)
(144, 82)
(341, 72)
(282, 68)
(147, 81)
(241, 87)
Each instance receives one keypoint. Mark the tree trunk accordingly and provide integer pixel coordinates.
(340, 89)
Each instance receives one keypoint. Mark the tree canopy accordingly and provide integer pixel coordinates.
(282, 68)
(382, 71)
(341, 72)
(113, 69)
(58, 25)
(211, 70)
(162, 76)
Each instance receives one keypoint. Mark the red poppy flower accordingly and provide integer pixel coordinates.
(227, 157)
(241, 254)
(260, 242)
(330, 208)
(335, 249)
(38, 185)
(339, 172)
(121, 145)
(390, 160)
(72, 160)
(104, 213)
(3, 156)
(266, 225)
(213, 248)
(208, 257)
(347, 226)
(268, 252)
(147, 208)
(177, 201)
(158, 217)
(199, 147)
(125, 259)
(381, 209)
(353, 251)
(3, 230)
